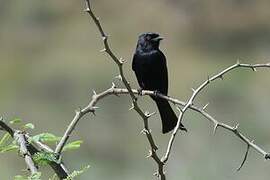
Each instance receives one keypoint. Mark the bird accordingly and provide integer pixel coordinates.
(150, 67)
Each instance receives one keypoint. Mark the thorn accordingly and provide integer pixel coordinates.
(95, 107)
(245, 158)
(93, 110)
(148, 115)
(122, 60)
(104, 38)
(179, 109)
(78, 111)
(132, 107)
(238, 61)
(94, 92)
(205, 106)
(103, 50)
(150, 154)
(215, 128)
(156, 174)
(193, 90)
(221, 77)
(267, 156)
(113, 85)
(236, 127)
(208, 78)
(254, 69)
(87, 10)
(119, 77)
(144, 131)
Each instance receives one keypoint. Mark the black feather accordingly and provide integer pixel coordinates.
(149, 64)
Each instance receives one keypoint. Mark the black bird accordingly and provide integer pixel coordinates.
(149, 64)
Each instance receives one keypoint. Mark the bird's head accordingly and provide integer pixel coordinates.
(149, 41)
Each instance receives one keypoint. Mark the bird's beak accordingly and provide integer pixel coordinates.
(159, 38)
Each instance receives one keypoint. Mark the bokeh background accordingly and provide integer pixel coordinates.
(50, 62)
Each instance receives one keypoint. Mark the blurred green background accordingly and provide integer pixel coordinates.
(50, 62)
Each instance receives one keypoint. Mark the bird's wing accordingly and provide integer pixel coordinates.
(137, 68)
(160, 72)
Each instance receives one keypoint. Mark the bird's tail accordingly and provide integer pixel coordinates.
(168, 117)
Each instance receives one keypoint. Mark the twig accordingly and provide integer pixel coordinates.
(23, 141)
(19, 137)
(231, 129)
(119, 91)
(245, 158)
(90, 108)
(5, 127)
(198, 90)
(119, 63)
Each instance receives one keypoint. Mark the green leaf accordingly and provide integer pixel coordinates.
(44, 158)
(54, 177)
(29, 126)
(5, 146)
(19, 177)
(8, 148)
(4, 139)
(77, 173)
(73, 145)
(35, 176)
(46, 137)
(15, 121)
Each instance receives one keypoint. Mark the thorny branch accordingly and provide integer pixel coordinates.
(20, 138)
(119, 91)
(119, 62)
(198, 90)
(28, 150)
(91, 107)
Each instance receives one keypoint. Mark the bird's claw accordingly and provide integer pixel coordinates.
(156, 93)
(140, 91)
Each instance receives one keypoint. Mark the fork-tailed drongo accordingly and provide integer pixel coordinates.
(149, 64)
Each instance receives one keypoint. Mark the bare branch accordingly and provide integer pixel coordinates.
(119, 63)
(215, 122)
(197, 91)
(20, 138)
(5, 127)
(245, 158)
(112, 91)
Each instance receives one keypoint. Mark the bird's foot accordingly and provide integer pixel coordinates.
(140, 91)
(156, 93)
